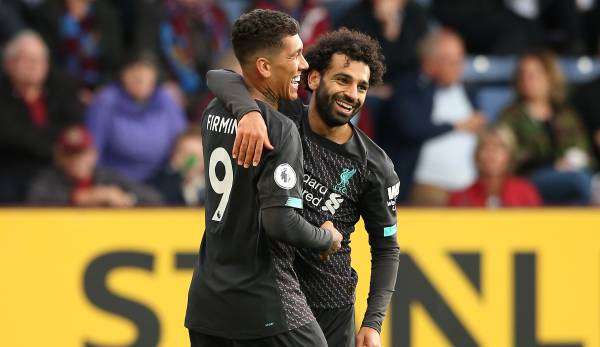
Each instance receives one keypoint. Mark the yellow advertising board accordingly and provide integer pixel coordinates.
(467, 278)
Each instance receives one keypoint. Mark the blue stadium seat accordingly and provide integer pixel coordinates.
(500, 69)
(483, 69)
(580, 69)
(492, 100)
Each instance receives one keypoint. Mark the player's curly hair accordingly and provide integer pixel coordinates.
(259, 30)
(353, 44)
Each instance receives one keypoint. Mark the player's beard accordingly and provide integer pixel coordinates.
(326, 107)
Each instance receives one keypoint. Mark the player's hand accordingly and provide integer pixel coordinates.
(336, 240)
(368, 337)
(250, 138)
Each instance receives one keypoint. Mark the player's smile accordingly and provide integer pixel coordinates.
(295, 83)
(336, 108)
(345, 106)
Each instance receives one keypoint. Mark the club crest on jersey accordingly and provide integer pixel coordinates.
(345, 178)
(285, 176)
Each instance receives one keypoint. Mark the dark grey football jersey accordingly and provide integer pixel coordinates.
(341, 184)
(244, 285)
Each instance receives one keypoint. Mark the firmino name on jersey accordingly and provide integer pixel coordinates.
(221, 124)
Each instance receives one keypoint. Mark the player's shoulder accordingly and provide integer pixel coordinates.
(215, 105)
(280, 127)
(377, 159)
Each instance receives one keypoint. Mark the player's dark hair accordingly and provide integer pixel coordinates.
(259, 30)
(353, 44)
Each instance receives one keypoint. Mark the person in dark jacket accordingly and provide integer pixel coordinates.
(35, 105)
(512, 26)
(418, 101)
(397, 24)
(75, 180)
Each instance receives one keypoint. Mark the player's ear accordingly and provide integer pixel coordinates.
(263, 66)
(314, 79)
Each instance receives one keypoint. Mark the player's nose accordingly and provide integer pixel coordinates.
(303, 63)
(352, 93)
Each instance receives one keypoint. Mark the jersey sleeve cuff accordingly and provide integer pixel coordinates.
(373, 325)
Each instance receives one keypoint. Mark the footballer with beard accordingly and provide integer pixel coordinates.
(346, 176)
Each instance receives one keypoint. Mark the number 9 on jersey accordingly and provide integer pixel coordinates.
(221, 187)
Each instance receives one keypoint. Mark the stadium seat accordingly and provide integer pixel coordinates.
(580, 69)
(493, 99)
(484, 69)
(500, 69)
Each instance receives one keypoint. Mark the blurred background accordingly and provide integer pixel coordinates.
(488, 104)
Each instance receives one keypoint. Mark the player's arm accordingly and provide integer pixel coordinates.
(279, 187)
(378, 209)
(285, 224)
(251, 135)
(229, 87)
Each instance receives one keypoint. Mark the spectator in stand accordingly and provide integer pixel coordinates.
(314, 18)
(487, 26)
(512, 26)
(496, 186)
(181, 182)
(75, 180)
(398, 25)
(10, 21)
(555, 23)
(36, 103)
(85, 37)
(552, 143)
(191, 36)
(431, 123)
(135, 121)
(129, 15)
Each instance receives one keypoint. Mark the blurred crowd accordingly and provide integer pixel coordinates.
(100, 100)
